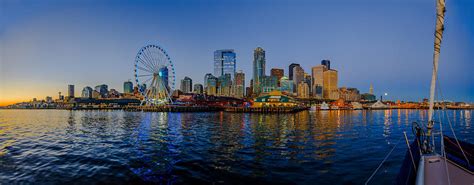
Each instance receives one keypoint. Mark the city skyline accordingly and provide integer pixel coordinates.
(236, 91)
(41, 72)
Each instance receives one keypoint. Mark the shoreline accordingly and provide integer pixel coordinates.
(224, 109)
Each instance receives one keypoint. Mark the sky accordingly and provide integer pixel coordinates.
(46, 45)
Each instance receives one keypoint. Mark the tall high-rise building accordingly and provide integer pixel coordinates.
(268, 84)
(102, 90)
(290, 70)
(211, 85)
(308, 80)
(239, 85)
(205, 80)
(164, 77)
(258, 69)
(278, 73)
(326, 63)
(198, 88)
(224, 62)
(70, 91)
(250, 89)
(317, 81)
(186, 85)
(298, 75)
(286, 85)
(303, 90)
(371, 89)
(330, 89)
(87, 92)
(127, 87)
(224, 85)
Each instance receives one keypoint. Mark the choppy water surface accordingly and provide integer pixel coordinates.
(336, 147)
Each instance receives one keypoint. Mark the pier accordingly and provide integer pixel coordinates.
(213, 109)
(266, 109)
(172, 108)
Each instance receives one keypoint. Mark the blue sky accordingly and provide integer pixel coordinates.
(47, 44)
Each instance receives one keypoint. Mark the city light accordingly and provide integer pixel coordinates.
(236, 92)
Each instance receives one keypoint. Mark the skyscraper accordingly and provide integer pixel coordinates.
(249, 90)
(330, 90)
(102, 90)
(205, 80)
(258, 69)
(298, 75)
(164, 77)
(87, 92)
(317, 81)
(278, 73)
(326, 63)
(224, 85)
(198, 88)
(70, 91)
(308, 80)
(239, 85)
(127, 87)
(211, 85)
(224, 62)
(186, 85)
(286, 85)
(303, 90)
(290, 70)
(268, 84)
(371, 89)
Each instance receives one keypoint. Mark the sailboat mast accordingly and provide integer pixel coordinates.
(440, 11)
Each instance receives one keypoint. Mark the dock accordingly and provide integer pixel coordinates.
(214, 109)
(172, 108)
(266, 109)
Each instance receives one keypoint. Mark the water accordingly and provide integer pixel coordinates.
(337, 147)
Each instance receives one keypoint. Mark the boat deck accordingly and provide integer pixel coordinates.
(434, 169)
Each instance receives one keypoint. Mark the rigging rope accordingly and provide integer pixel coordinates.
(446, 116)
(383, 161)
(457, 141)
(443, 152)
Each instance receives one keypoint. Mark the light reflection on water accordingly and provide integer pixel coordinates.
(44, 146)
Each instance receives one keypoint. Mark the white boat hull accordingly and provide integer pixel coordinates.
(436, 170)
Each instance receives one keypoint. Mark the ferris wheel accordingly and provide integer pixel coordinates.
(154, 75)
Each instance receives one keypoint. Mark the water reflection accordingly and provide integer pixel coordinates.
(123, 147)
(467, 116)
(406, 117)
(387, 122)
(399, 117)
